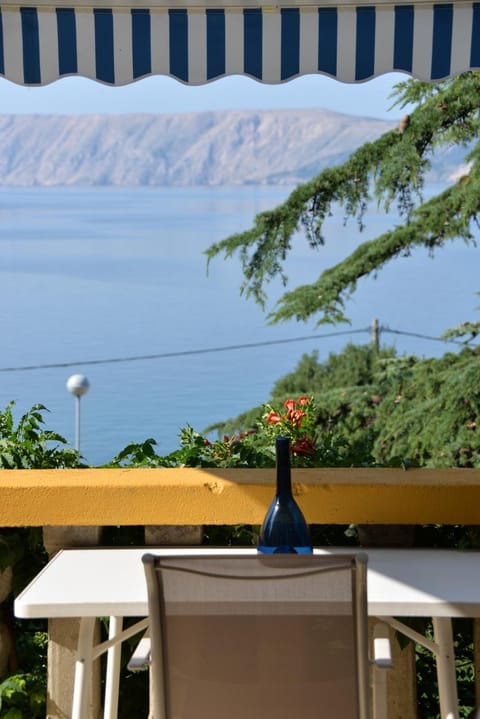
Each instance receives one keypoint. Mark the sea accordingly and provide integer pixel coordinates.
(113, 284)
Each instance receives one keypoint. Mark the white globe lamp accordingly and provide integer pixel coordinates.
(78, 385)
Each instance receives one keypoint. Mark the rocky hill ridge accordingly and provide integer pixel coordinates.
(234, 147)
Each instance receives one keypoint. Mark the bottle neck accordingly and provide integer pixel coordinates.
(284, 476)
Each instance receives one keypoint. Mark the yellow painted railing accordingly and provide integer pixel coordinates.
(235, 496)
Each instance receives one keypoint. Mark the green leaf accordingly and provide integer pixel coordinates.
(14, 713)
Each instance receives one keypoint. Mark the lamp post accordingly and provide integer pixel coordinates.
(78, 385)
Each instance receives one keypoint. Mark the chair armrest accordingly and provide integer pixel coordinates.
(140, 659)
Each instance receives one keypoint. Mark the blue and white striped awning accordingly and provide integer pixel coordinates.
(118, 43)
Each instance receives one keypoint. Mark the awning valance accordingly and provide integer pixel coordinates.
(120, 43)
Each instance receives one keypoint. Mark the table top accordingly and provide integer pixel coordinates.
(110, 582)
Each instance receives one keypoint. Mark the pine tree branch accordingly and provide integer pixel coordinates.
(445, 217)
(391, 170)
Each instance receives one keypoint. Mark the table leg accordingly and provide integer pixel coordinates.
(445, 658)
(381, 663)
(83, 668)
(112, 679)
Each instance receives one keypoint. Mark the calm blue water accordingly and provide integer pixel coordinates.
(94, 274)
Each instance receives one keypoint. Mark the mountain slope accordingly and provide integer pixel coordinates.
(209, 148)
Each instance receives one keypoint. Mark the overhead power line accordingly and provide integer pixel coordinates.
(183, 353)
(226, 348)
(420, 336)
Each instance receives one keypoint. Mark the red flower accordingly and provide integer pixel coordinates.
(303, 446)
(303, 400)
(273, 417)
(290, 404)
(296, 416)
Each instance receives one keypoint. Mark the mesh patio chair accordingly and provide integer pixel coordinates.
(258, 637)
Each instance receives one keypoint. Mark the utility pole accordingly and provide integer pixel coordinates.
(375, 335)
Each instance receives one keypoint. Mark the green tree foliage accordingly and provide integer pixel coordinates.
(26, 444)
(390, 171)
(354, 366)
(388, 410)
(346, 390)
(430, 411)
(22, 693)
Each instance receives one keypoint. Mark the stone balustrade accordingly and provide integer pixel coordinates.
(184, 496)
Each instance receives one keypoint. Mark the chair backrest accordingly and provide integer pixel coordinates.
(258, 637)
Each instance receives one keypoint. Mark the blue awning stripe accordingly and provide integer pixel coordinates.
(252, 42)
(2, 60)
(215, 43)
(327, 40)
(141, 43)
(365, 50)
(442, 41)
(67, 41)
(290, 43)
(104, 58)
(31, 45)
(118, 45)
(403, 41)
(179, 44)
(475, 38)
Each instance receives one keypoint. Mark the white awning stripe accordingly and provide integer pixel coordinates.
(422, 44)
(385, 37)
(159, 43)
(352, 43)
(346, 45)
(123, 51)
(462, 28)
(12, 48)
(234, 42)
(85, 60)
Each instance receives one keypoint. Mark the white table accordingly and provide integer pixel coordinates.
(91, 583)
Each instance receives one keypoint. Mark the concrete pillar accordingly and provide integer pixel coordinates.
(161, 535)
(63, 633)
(399, 681)
(402, 682)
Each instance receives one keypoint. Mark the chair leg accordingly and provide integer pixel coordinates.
(150, 694)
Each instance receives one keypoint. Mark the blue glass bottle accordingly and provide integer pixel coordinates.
(284, 529)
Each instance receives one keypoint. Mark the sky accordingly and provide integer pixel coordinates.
(165, 95)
